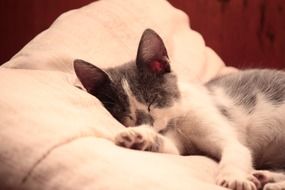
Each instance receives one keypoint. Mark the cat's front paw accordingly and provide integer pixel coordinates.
(263, 176)
(138, 139)
(237, 181)
(274, 186)
(270, 180)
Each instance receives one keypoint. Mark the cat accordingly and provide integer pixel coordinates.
(237, 119)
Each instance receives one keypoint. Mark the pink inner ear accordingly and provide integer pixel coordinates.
(156, 66)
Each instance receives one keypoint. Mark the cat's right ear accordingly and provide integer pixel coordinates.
(152, 56)
(91, 77)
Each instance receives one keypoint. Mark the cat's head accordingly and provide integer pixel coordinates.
(137, 92)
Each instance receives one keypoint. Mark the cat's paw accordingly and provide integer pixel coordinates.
(263, 176)
(274, 186)
(270, 180)
(138, 139)
(237, 181)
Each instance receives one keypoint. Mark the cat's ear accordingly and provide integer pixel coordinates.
(152, 55)
(91, 77)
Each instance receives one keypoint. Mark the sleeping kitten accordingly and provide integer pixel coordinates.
(237, 119)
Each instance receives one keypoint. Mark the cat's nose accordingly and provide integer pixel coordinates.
(143, 117)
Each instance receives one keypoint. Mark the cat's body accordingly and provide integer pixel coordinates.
(237, 119)
(253, 101)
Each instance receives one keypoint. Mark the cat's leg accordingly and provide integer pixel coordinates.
(146, 139)
(215, 135)
(271, 180)
(235, 168)
(275, 186)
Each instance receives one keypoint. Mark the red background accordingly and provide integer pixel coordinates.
(245, 33)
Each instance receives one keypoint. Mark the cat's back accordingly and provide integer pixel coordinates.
(245, 86)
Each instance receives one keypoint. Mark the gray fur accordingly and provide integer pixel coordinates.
(244, 86)
(157, 91)
(145, 87)
(143, 118)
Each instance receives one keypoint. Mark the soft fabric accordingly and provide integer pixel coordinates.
(56, 136)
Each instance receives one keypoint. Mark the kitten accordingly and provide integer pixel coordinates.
(237, 119)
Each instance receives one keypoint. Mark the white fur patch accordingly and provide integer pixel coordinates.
(134, 103)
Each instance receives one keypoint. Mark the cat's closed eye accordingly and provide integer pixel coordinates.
(151, 103)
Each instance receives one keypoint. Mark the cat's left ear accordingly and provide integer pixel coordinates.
(152, 55)
(91, 77)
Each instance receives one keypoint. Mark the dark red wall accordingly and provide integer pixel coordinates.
(245, 33)
(21, 20)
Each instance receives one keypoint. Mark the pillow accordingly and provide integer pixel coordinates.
(107, 33)
(56, 136)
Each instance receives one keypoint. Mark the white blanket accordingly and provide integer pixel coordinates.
(55, 136)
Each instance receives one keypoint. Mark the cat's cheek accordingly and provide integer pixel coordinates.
(159, 121)
(160, 124)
